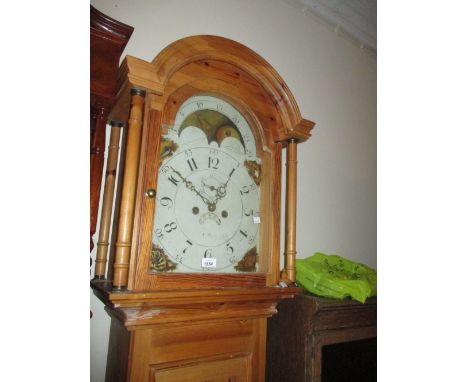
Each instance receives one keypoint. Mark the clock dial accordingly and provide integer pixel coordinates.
(208, 200)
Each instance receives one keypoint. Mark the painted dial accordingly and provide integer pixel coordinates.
(208, 195)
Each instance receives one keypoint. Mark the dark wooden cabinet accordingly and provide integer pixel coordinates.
(108, 39)
(311, 337)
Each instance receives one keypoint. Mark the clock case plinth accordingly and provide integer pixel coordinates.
(208, 331)
(203, 324)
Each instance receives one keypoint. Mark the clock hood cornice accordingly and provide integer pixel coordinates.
(154, 76)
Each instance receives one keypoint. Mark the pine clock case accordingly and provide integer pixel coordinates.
(223, 68)
(167, 325)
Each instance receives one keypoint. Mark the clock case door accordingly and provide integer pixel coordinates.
(213, 66)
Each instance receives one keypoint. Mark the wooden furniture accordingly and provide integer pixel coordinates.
(305, 326)
(108, 38)
(209, 323)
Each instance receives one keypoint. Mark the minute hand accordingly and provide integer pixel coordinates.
(221, 190)
(191, 187)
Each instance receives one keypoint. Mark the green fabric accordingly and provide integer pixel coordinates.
(336, 277)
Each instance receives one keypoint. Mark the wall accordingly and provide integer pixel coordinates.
(334, 83)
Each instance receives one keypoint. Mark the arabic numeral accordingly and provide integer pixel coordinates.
(247, 189)
(159, 233)
(173, 180)
(169, 227)
(248, 213)
(166, 202)
(244, 190)
(213, 163)
(188, 246)
(192, 164)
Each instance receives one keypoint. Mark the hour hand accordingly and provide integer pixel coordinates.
(191, 187)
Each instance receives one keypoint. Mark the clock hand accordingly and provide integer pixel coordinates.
(221, 190)
(191, 187)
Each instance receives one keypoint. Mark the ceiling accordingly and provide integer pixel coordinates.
(356, 18)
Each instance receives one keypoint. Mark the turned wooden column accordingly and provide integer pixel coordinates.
(108, 200)
(98, 140)
(127, 205)
(291, 200)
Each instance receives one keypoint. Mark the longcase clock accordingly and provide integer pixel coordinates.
(194, 268)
